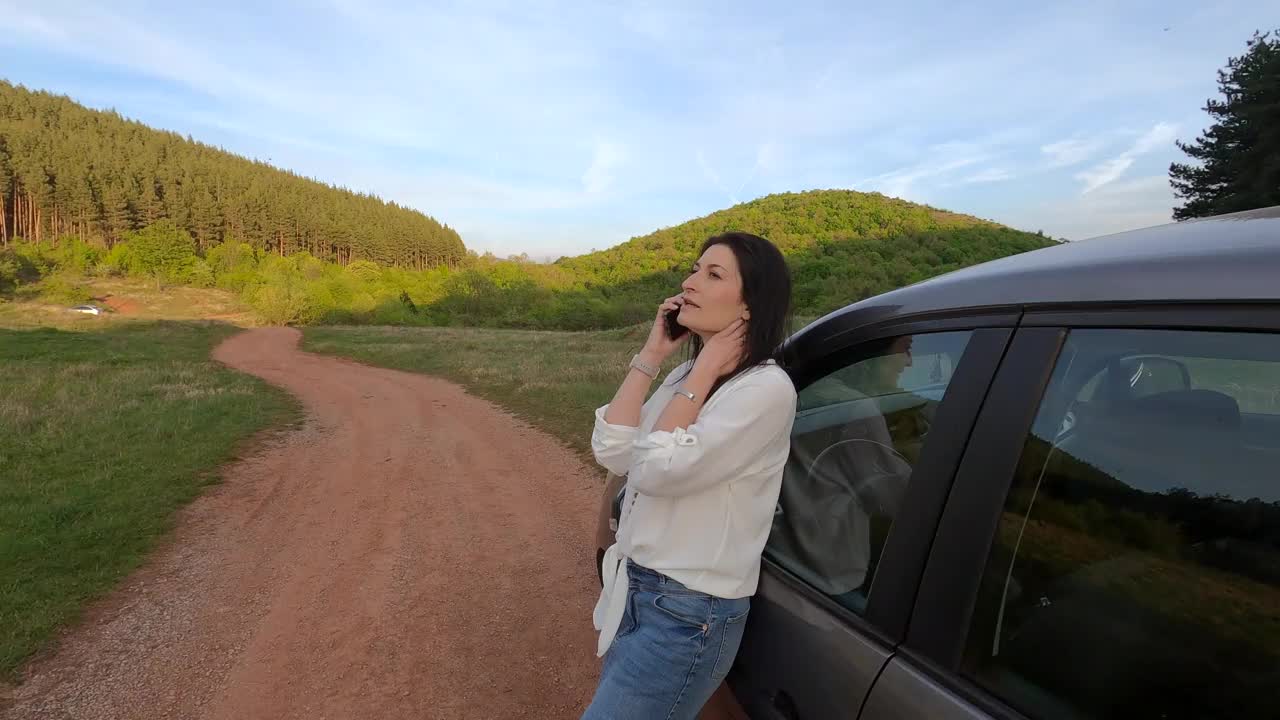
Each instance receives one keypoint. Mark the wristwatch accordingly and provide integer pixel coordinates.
(644, 367)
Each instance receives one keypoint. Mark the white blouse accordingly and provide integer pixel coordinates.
(700, 500)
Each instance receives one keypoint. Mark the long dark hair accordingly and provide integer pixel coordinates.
(766, 291)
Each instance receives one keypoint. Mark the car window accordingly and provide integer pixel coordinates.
(1136, 567)
(858, 433)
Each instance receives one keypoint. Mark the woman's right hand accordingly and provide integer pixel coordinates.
(660, 346)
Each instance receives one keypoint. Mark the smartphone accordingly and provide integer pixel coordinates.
(674, 328)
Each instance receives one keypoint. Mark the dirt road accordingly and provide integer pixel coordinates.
(412, 552)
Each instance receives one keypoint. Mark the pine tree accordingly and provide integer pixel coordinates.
(5, 182)
(67, 169)
(206, 220)
(114, 215)
(1239, 155)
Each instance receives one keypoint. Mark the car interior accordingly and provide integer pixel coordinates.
(1173, 437)
(1117, 558)
(851, 458)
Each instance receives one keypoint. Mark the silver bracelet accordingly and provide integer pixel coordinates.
(644, 367)
(681, 391)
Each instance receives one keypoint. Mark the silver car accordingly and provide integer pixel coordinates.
(1042, 487)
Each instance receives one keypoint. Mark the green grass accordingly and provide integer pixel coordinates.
(41, 304)
(105, 430)
(553, 379)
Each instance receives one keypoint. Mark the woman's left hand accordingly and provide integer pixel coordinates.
(725, 349)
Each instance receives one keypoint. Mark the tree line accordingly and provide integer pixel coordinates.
(66, 170)
(841, 246)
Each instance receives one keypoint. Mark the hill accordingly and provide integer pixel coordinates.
(69, 170)
(842, 246)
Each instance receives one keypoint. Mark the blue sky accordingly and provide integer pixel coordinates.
(552, 128)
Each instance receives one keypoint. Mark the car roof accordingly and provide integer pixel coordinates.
(1232, 257)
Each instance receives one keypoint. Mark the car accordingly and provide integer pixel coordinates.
(1076, 513)
(86, 309)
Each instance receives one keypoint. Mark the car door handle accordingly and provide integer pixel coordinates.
(783, 707)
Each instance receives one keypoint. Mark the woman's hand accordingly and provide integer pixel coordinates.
(724, 350)
(660, 346)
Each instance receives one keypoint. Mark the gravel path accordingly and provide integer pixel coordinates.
(411, 552)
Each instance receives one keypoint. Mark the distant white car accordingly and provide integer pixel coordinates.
(87, 309)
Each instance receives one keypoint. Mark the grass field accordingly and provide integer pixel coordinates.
(93, 408)
(553, 379)
(106, 428)
(121, 299)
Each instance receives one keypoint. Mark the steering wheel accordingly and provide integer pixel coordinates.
(866, 483)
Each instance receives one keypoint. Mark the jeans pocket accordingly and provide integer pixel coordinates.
(628, 624)
(687, 609)
(731, 633)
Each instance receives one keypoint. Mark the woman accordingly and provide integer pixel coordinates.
(703, 458)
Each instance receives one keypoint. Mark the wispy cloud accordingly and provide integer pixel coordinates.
(989, 175)
(119, 40)
(606, 158)
(939, 165)
(767, 155)
(901, 182)
(1159, 136)
(1112, 169)
(1071, 151)
(713, 177)
(1123, 205)
(583, 124)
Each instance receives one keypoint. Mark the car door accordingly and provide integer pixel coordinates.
(882, 418)
(1111, 544)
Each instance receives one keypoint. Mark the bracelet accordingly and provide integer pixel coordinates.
(644, 367)
(681, 391)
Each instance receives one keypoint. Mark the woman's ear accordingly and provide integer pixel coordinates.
(746, 314)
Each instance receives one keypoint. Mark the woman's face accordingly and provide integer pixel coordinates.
(897, 361)
(713, 293)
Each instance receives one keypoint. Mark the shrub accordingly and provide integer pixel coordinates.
(201, 275)
(162, 251)
(64, 289)
(281, 304)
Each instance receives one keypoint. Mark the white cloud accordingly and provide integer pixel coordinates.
(467, 193)
(33, 25)
(119, 40)
(1162, 135)
(1110, 170)
(484, 113)
(1105, 172)
(1071, 151)
(940, 162)
(989, 175)
(767, 156)
(1116, 207)
(607, 157)
(900, 183)
(713, 177)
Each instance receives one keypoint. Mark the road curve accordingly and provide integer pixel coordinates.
(411, 552)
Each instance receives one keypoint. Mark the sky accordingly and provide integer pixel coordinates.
(554, 128)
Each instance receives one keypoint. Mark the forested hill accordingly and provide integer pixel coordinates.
(841, 245)
(66, 169)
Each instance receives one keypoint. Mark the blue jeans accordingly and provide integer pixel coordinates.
(672, 650)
